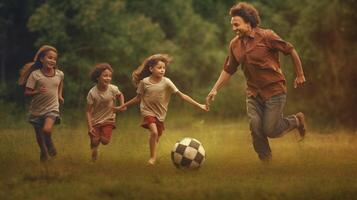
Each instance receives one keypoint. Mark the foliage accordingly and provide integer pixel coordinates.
(196, 33)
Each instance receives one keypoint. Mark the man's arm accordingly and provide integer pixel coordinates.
(223, 79)
(300, 78)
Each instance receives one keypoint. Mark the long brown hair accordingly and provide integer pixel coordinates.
(143, 70)
(35, 64)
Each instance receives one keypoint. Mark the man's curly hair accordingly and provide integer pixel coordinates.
(247, 12)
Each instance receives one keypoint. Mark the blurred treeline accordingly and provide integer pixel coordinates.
(196, 33)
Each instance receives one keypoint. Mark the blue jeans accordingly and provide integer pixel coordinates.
(266, 120)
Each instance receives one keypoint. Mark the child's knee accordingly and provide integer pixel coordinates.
(154, 134)
(104, 141)
(94, 143)
(47, 129)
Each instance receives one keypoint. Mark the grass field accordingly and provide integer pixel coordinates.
(324, 166)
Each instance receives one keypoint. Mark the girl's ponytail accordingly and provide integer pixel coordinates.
(36, 64)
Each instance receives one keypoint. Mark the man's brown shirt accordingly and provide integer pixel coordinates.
(258, 55)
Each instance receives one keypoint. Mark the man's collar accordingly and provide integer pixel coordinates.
(252, 33)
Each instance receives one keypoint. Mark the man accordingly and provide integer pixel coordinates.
(257, 51)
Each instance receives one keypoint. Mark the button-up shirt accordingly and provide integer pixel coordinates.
(258, 55)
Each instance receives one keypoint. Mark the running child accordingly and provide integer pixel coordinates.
(153, 92)
(100, 102)
(44, 84)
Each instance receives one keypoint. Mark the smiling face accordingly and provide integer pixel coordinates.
(239, 26)
(49, 60)
(105, 78)
(158, 70)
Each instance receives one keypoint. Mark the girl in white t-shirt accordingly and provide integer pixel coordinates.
(44, 84)
(101, 99)
(153, 92)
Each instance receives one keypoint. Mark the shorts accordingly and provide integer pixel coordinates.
(149, 120)
(38, 121)
(102, 133)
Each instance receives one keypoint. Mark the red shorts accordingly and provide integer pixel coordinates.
(102, 133)
(149, 120)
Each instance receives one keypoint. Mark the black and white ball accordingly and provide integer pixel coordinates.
(188, 153)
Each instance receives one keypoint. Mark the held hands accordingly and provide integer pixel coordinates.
(203, 107)
(119, 108)
(299, 81)
(210, 97)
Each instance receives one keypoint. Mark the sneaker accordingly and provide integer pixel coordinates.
(302, 124)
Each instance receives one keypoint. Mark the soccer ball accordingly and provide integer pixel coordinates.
(188, 153)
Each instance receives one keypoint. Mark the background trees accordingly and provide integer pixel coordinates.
(196, 33)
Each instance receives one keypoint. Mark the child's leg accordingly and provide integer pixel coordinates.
(94, 143)
(106, 134)
(41, 143)
(153, 140)
(47, 130)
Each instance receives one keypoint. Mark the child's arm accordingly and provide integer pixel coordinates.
(89, 118)
(60, 93)
(121, 100)
(132, 101)
(32, 92)
(191, 101)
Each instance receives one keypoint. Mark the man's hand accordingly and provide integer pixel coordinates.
(210, 97)
(299, 81)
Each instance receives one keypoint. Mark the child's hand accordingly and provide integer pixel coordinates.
(42, 90)
(91, 130)
(119, 108)
(203, 107)
(61, 99)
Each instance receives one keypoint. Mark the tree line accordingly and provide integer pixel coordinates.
(196, 33)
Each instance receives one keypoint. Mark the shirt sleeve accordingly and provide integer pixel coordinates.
(116, 90)
(31, 81)
(230, 64)
(172, 86)
(275, 42)
(90, 98)
(140, 89)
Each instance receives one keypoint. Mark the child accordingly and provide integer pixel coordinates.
(153, 92)
(44, 83)
(100, 101)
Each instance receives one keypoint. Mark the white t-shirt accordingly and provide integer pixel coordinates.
(103, 102)
(44, 102)
(155, 97)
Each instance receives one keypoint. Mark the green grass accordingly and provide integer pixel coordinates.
(321, 167)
